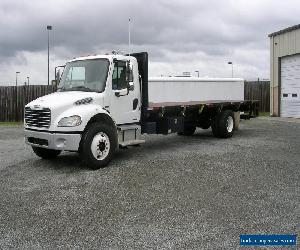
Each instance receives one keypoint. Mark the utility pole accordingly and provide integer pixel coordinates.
(17, 77)
(49, 27)
(16, 104)
(197, 71)
(129, 20)
(231, 68)
(27, 80)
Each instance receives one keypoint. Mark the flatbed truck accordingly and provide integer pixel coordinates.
(106, 102)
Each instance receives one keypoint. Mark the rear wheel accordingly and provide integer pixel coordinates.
(223, 124)
(98, 145)
(46, 153)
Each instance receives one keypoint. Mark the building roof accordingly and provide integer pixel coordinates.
(295, 27)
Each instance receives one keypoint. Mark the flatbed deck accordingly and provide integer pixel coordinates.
(193, 103)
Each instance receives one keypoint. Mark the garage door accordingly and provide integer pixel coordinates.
(290, 86)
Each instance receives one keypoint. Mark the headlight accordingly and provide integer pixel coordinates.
(70, 121)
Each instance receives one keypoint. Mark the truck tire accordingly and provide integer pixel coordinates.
(223, 124)
(46, 153)
(98, 145)
(188, 130)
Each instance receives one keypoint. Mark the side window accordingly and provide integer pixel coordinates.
(119, 76)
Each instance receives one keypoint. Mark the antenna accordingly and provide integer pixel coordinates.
(129, 36)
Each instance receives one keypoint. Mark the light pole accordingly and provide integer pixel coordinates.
(231, 68)
(17, 77)
(16, 100)
(27, 80)
(129, 37)
(197, 71)
(49, 27)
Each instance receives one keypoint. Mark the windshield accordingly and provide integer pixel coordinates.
(86, 75)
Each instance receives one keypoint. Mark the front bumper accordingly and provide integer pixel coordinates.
(52, 140)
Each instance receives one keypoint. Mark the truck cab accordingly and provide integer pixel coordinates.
(96, 108)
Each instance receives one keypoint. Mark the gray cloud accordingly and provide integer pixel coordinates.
(214, 31)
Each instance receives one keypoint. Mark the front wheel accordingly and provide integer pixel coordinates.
(98, 145)
(46, 153)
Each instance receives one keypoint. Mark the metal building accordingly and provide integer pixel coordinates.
(285, 72)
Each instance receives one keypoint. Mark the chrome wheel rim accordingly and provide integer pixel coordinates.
(229, 123)
(100, 146)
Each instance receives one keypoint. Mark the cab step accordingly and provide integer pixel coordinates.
(129, 135)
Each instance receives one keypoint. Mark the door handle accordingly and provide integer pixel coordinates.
(135, 103)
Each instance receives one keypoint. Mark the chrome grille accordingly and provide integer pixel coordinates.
(38, 117)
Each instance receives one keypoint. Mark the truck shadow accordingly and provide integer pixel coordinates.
(70, 161)
(160, 143)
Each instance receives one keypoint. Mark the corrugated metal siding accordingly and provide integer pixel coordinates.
(290, 86)
(281, 45)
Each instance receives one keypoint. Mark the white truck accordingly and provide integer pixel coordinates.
(107, 101)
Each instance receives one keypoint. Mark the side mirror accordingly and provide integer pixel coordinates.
(54, 83)
(129, 75)
(58, 72)
(57, 76)
(130, 86)
(121, 92)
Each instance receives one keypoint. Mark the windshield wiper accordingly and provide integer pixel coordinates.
(81, 88)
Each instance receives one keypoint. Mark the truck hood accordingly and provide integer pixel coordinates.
(62, 104)
(63, 99)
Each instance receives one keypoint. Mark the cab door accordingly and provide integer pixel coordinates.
(125, 106)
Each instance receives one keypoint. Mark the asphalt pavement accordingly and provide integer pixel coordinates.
(173, 192)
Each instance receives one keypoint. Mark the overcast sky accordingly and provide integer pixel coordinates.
(180, 35)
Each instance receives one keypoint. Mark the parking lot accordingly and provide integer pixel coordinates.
(194, 192)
